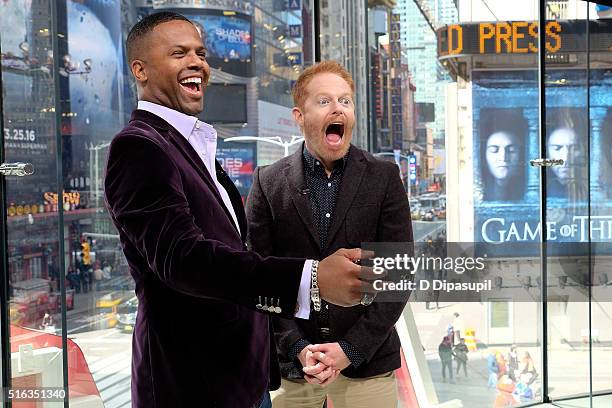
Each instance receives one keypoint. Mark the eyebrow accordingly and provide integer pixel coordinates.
(185, 47)
(328, 95)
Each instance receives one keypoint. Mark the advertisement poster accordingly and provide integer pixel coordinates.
(507, 187)
(238, 160)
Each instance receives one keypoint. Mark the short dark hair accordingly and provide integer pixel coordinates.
(142, 28)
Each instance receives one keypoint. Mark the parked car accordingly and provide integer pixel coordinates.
(126, 315)
(429, 215)
(415, 211)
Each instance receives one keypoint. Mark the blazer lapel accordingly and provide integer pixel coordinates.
(351, 179)
(192, 156)
(173, 135)
(296, 183)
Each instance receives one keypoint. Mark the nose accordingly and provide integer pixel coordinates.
(337, 108)
(503, 155)
(564, 154)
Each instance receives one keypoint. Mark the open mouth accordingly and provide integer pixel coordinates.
(192, 85)
(334, 133)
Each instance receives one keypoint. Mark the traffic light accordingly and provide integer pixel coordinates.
(86, 248)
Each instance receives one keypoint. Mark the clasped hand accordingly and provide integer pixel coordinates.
(323, 362)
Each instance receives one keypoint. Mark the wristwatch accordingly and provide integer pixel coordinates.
(314, 287)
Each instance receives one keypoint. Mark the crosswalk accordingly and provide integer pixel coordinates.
(112, 377)
(109, 357)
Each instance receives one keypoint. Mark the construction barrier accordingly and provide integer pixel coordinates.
(470, 338)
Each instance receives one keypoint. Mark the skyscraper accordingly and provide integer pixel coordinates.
(419, 46)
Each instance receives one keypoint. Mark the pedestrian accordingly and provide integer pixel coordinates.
(461, 355)
(98, 274)
(493, 370)
(73, 279)
(513, 363)
(529, 367)
(445, 350)
(501, 363)
(505, 389)
(106, 270)
(457, 327)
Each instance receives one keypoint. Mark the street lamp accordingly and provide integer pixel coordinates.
(275, 140)
(70, 67)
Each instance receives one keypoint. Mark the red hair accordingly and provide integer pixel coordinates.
(323, 67)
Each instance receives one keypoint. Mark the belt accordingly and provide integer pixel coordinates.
(324, 332)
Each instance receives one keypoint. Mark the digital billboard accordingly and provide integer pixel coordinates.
(228, 40)
(238, 160)
(217, 97)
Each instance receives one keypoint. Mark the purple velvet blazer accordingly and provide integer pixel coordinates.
(200, 339)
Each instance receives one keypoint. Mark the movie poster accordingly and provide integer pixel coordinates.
(506, 138)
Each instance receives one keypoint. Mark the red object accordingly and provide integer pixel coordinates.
(80, 380)
(405, 388)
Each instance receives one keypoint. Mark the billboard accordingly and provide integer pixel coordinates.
(218, 97)
(506, 138)
(238, 160)
(95, 76)
(228, 40)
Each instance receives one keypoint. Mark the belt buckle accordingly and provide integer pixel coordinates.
(324, 332)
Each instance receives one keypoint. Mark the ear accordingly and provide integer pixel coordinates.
(138, 70)
(298, 116)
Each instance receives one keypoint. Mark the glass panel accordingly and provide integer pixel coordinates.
(29, 135)
(252, 72)
(567, 203)
(468, 125)
(600, 103)
(96, 103)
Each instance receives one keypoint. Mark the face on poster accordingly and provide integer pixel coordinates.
(605, 173)
(502, 150)
(566, 141)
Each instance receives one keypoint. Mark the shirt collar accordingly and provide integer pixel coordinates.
(311, 161)
(183, 123)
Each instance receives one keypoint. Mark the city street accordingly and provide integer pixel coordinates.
(424, 229)
(109, 356)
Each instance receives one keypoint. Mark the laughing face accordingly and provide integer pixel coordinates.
(173, 71)
(327, 117)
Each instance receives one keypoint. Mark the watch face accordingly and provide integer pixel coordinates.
(367, 299)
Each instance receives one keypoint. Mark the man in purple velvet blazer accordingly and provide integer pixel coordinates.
(202, 335)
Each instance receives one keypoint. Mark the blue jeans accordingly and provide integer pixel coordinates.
(266, 402)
